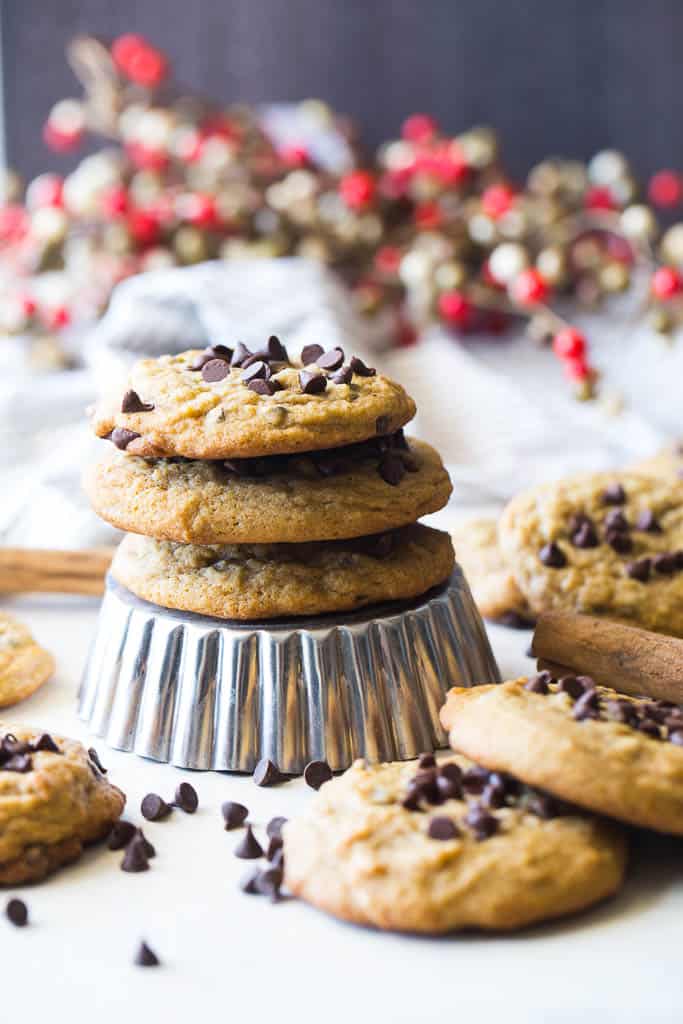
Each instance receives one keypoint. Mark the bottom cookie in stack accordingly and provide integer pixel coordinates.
(438, 847)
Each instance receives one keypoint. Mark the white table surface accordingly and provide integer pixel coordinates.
(227, 953)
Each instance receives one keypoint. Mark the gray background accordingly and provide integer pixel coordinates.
(554, 76)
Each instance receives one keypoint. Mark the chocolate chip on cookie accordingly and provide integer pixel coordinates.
(442, 828)
(358, 367)
(553, 556)
(311, 354)
(640, 569)
(614, 494)
(264, 387)
(331, 360)
(312, 383)
(132, 402)
(215, 370)
(343, 376)
(648, 522)
(122, 437)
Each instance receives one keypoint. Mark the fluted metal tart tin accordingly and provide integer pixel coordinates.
(207, 693)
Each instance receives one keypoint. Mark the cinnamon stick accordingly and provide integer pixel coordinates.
(26, 570)
(626, 658)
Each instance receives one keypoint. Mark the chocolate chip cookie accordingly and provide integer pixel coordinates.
(435, 848)
(603, 543)
(602, 750)
(250, 581)
(493, 586)
(345, 492)
(24, 664)
(54, 800)
(226, 403)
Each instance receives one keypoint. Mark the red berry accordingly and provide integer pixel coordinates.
(388, 259)
(114, 202)
(428, 216)
(142, 63)
(497, 200)
(14, 222)
(577, 369)
(419, 128)
(357, 189)
(57, 317)
(569, 343)
(199, 210)
(28, 305)
(143, 226)
(61, 140)
(599, 198)
(665, 188)
(45, 190)
(455, 308)
(529, 288)
(666, 282)
(123, 48)
(295, 156)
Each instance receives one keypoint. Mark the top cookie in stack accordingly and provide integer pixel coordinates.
(222, 450)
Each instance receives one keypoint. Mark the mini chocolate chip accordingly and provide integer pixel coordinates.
(647, 521)
(450, 771)
(46, 743)
(411, 801)
(20, 763)
(442, 828)
(264, 387)
(448, 788)
(17, 913)
(135, 859)
(316, 773)
(186, 798)
(665, 564)
(585, 536)
(331, 360)
(274, 846)
(249, 847)
(475, 778)
(424, 783)
(121, 834)
(275, 350)
(391, 469)
(616, 520)
(543, 805)
(267, 773)
(234, 814)
(493, 794)
(515, 620)
(676, 737)
(426, 760)
(382, 424)
(249, 883)
(614, 495)
(639, 570)
(258, 370)
(145, 957)
(358, 367)
(122, 437)
(483, 824)
(274, 826)
(269, 882)
(553, 556)
(619, 541)
(95, 758)
(147, 847)
(312, 383)
(240, 354)
(215, 370)
(587, 706)
(621, 711)
(213, 352)
(539, 683)
(132, 402)
(311, 354)
(154, 808)
(571, 686)
(342, 376)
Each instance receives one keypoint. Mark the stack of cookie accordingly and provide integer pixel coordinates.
(607, 544)
(255, 486)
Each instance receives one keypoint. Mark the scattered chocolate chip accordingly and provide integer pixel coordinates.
(46, 743)
(269, 882)
(553, 556)
(274, 826)
(412, 799)
(539, 683)
(475, 778)
(316, 773)
(639, 570)
(391, 469)
(186, 798)
(585, 536)
(616, 520)
(614, 495)
(20, 763)
(132, 402)
(234, 814)
(587, 706)
(450, 771)
(358, 367)
(448, 788)
(647, 521)
(95, 759)
(266, 773)
(17, 913)
(619, 541)
(147, 847)
(258, 370)
(122, 437)
(145, 957)
(311, 354)
(274, 350)
(215, 370)
(249, 847)
(264, 387)
(121, 834)
(426, 761)
(571, 686)
(154, 808)
(665, 564)
(240, 354)
(483, 824)
(494, 793)
(621, 711)
(249, 883)
(214, 352)
(342, 376)
(312, 383)
(331, 360)
(135, 859)
(442, 828)
(274, 846)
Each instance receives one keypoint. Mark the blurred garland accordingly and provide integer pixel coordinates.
(431, 230)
